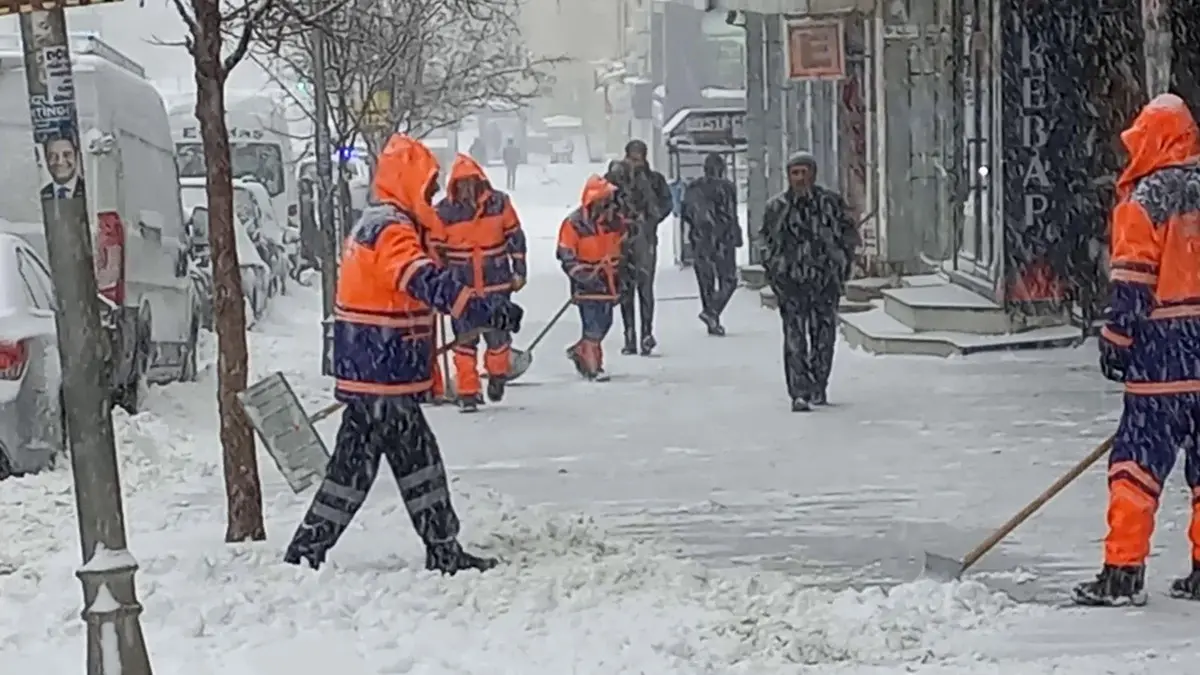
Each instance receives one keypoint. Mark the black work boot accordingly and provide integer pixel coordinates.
(469, 403)
(297, 554)
(648, 344)
(449, 558)
(1113, 587)
(1188, 588)
(495, 388)
(819, 397)
(630, 348)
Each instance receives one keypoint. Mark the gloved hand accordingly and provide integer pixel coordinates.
(1114, 360)
(505, 315)
(518, 283)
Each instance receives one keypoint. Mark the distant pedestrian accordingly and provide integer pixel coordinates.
(512, 159)
(809, 240)
(709, 210)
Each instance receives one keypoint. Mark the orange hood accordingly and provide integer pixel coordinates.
(595, 189)
(1163, 134)
(403, 173)
(465, 167)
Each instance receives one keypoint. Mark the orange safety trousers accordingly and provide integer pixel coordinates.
(496, 359)
(1150, 434)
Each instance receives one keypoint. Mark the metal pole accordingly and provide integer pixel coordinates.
(330, 231)
(756, 134)
(774, 81)
(115, 645)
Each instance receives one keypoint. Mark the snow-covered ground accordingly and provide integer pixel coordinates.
(675, 520)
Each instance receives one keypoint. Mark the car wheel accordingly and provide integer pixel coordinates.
(133, 394)
(191, 366)
(6, 470)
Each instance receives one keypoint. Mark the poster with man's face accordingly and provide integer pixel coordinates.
(60, 156)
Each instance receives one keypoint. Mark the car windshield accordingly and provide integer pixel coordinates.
(261, 161)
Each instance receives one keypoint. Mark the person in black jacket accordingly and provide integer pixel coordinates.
(709, 210)
(645, 199)
(809, 240)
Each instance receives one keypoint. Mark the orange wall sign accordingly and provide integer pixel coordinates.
(816, 50)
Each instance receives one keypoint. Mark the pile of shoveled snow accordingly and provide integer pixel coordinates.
(569, 599)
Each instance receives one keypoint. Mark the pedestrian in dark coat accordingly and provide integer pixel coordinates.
(809, 240)
(709, 210)
(645, 198)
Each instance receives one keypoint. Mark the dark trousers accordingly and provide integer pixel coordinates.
(716, 275)
(510, 177)
(394, 429)
(809, 334)
(639, 260)
(596, 317)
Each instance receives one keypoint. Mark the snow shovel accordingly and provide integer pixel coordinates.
(942, 568)
(521, 359)
(287, 431)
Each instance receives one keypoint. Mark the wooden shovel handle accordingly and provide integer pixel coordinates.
(337, 405)
(1033, 506)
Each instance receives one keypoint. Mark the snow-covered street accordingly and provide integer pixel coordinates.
(678, 519)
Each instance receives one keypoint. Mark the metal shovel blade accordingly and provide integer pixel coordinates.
(940, 568)
(286, 431)
(519, 362)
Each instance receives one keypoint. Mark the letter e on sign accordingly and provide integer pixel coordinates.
(816, 50)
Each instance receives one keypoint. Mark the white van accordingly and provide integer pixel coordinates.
(260, 145)
(134, 209)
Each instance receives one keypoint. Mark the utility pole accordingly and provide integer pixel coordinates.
(774, 79)
(115, 645)
(330, 230)
(757, 192)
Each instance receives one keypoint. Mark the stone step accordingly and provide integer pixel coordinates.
(767, 299)
(877, 332)
(945, 307)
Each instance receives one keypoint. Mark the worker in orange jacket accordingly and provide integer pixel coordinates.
(589, 248)
(1151, 344)
(388, 289)
(485, 249)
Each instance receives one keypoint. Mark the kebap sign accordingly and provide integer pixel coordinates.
(28, 6)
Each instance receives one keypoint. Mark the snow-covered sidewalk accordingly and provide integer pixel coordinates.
(678, 520)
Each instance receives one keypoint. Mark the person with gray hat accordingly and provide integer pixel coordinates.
(808, 240)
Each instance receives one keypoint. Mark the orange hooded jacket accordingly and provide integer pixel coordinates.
(389, 285)
(1155, 251)
(484, 244)
(589, 243)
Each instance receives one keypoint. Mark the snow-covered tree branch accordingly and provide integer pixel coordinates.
(408, 65)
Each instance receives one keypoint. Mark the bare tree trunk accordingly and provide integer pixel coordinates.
(242, 487)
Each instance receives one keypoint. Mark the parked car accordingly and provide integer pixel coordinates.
(32, 424)
(256, 274)
(278, 243)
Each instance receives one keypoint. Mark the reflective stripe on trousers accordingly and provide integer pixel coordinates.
(394, 429)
